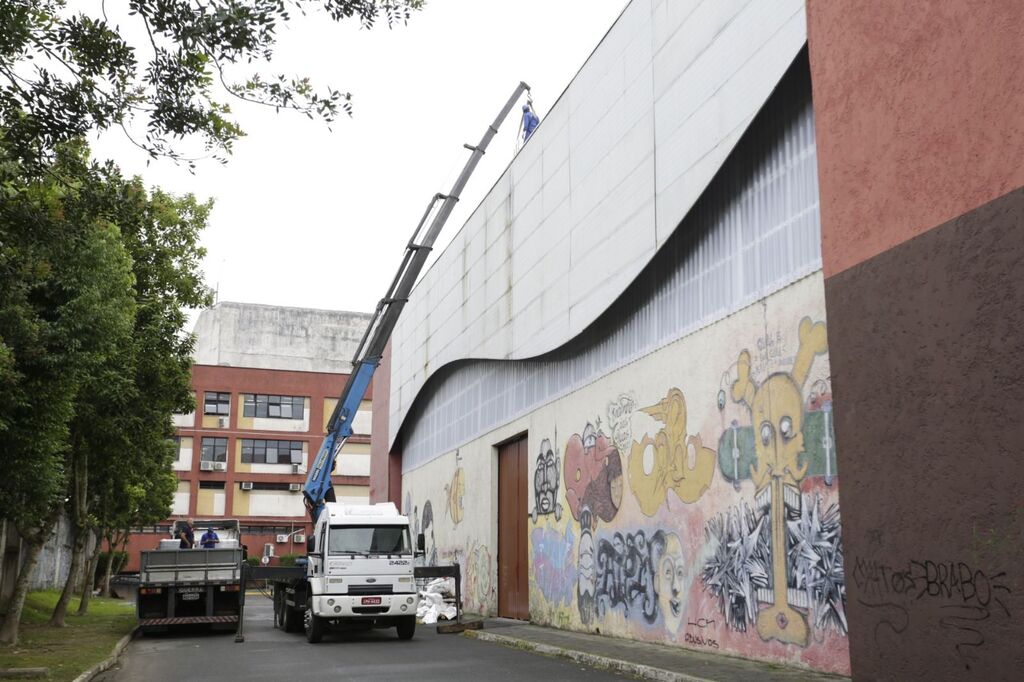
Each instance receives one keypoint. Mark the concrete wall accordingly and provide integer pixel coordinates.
(669, 478)
(588, 194)
(51, 570)
(920, 135)
(275, 337)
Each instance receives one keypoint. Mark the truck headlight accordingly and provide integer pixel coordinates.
(409, 600)
(330, 602)
(337, 609)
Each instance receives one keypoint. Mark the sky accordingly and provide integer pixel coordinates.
(314, 217)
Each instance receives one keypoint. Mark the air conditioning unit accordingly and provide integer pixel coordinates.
(222, 422)
(295, 468)
(282, 538)
(294, 487)
(206, 466)
(300, 538)
(246, 485)
(220, 466)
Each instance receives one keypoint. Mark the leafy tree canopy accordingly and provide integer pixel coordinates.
(65, 71)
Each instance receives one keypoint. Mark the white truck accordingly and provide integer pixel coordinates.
(359, 572)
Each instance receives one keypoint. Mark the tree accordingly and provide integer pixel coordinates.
(64, 73)
(66, 279)
(121, 435)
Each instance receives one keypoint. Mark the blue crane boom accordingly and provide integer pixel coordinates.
(318, 489)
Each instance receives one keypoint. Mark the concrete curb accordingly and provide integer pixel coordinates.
(616, 665)
(108, 662)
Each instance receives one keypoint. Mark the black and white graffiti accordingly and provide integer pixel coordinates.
(642, 574)
(741, 564)
(739, 573)
(586, 570)
(545, 483)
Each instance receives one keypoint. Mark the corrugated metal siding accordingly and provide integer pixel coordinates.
(754, 231)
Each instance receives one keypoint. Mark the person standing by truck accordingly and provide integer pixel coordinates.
(209, 539)
(186, 535)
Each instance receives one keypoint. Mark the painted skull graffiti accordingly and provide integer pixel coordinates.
(545, 483)
(593, 474)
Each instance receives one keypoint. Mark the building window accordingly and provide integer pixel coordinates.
(177, 447)
(217, 403)
(211, 485)
(258, 451)
(274, 406)
(215, 450)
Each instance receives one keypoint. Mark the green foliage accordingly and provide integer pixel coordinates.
(65, 279)
(65, 71)
(288, 559)
(253, 560)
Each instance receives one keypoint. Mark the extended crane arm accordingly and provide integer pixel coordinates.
(318, 489)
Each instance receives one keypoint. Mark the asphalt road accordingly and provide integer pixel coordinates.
(269, 654)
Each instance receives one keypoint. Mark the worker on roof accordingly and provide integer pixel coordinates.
(209, 539)
(530, 121)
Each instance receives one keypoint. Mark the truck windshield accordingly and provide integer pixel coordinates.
(369, 540)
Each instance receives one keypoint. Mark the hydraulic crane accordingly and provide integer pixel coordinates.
(318, 489)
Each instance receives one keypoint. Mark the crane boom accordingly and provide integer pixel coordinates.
(318, 488)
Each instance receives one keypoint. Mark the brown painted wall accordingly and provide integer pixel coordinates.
(919, 109)
(927, 359)
(918, 114)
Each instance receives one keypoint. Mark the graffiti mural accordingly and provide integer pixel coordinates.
(740, 573)
(454, 492)
(427, 528)
(619, 412)
(695, 502)
(554, 570)
(545, 483)
(593, 474)
(586, 569)
(670, 460)
(642, 575)
(774, 562)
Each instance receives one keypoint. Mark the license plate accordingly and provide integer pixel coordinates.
(371, 601)
(190, 596)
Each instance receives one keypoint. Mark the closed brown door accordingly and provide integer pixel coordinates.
(513, 579)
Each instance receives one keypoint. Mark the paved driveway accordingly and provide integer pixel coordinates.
(269, 654)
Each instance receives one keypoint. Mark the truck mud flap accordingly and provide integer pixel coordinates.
(187, 620)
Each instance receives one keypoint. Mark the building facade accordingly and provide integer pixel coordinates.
(243, 454)
(616, 399)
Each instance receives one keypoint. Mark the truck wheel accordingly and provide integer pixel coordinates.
(407, 627)
(314, 624)
(291, 619)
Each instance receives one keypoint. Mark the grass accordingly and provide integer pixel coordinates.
(71, 650)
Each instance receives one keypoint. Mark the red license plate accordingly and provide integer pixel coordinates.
(371, 601)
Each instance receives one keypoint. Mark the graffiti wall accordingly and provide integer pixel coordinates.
(689, 498)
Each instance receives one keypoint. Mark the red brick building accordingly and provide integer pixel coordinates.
(243, 454)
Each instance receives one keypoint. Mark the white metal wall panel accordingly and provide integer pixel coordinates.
(604, 181)
(755, 230)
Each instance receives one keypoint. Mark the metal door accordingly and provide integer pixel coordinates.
(513, 579)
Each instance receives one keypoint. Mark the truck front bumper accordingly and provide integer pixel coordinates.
(363, 606)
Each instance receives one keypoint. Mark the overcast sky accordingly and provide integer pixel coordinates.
(309, 217)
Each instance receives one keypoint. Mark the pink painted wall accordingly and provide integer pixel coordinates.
(919, 108)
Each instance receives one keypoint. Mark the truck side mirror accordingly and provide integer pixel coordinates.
(310, 544)
(421, 542)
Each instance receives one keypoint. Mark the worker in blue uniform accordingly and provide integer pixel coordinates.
(209, 539)
(530, 122)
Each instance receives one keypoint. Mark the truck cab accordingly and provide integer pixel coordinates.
(359, 572)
